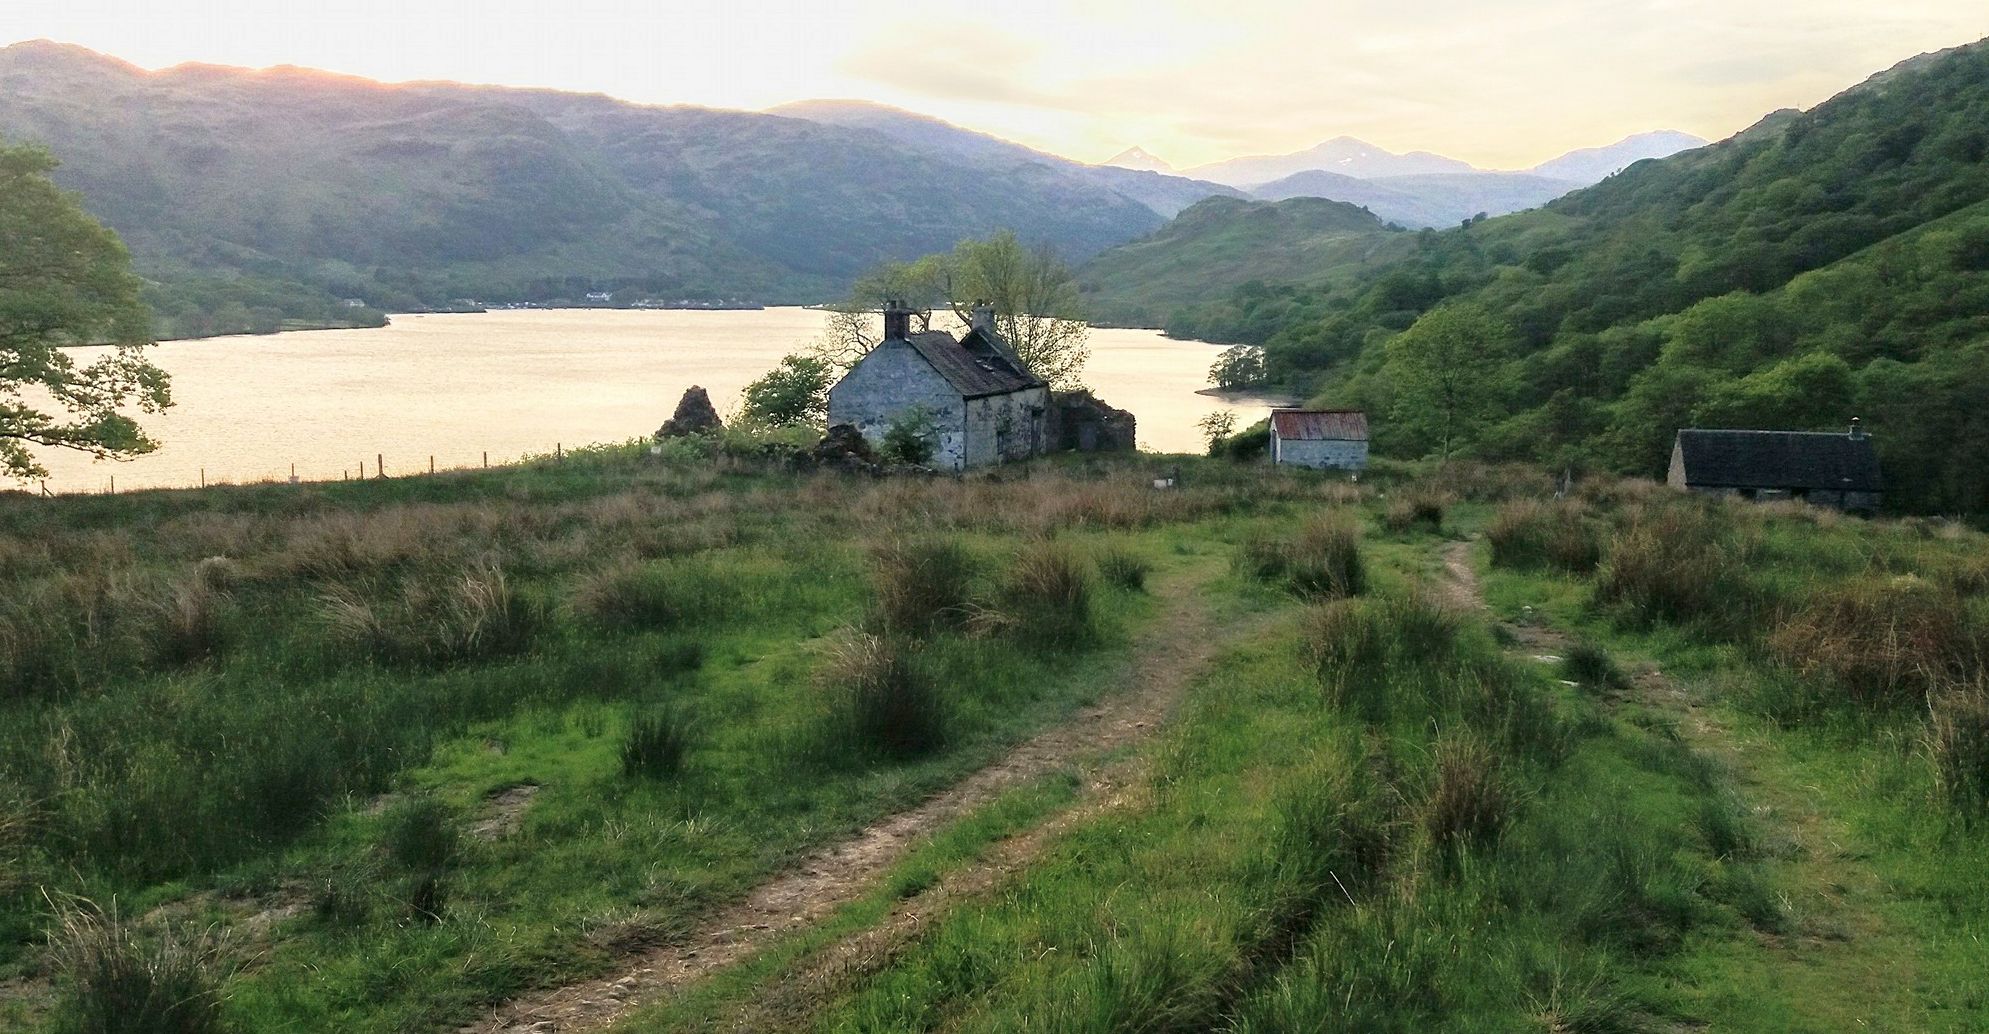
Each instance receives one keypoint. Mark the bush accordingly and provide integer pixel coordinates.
(882, 699)
(1468, 803)
(115, 981)
(656, 745)
(1883, 642)
(1531, 535)
(1046, 597)
(921, 585)
(1126, 570)
(1958, 742)
(1591, 666)
(909, 438)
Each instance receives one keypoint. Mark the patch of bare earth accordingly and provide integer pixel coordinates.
(503, 811)
(1166, 657)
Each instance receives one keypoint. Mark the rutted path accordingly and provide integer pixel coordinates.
(1166, 656)
(1824, 964)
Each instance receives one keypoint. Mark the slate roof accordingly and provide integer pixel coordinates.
(1319, 425)
(1780, 459)
(973, 376)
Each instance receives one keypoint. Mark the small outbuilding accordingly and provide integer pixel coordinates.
(977, 401)
(1322, 439)
(1825, 468)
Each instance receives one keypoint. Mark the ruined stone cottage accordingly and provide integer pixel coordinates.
(981, 405)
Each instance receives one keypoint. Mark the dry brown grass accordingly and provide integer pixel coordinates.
(1958, 745)
(1882, 641)
(119, 980)
(1530, 534)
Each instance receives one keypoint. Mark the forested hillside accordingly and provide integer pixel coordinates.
(1223, 243)
(260, 196)
(1819, 265)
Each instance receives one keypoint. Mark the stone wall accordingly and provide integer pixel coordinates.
(1006, 428)
(886, 386)
(1318, 455)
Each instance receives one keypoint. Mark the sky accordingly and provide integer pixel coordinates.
(1498, 83)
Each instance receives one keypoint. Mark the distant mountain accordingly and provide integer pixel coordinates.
(1594, 164)
(1223, 243)
(262, 194)
(1165, 194)
(1343, 155)
(1431, 199)
(1137, 158)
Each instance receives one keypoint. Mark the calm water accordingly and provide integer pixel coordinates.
(517, 383)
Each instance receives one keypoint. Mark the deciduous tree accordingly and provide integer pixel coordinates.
(65, 280)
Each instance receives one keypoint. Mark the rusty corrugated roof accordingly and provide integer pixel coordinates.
(1319, 425)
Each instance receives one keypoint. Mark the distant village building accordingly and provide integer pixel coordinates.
(600, 297)
(1825, 468)
(1322, 439)
(983, 404)
(353, 303)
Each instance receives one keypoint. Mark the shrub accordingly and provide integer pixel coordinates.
(1881, 641)
(1468, 803)
(1958, 742)
(1126, 570)
(1529, 535)
(115, 981)
(656, 745)
(882, 699)
(1591, 665)
(909, 438)
(920, 585)
(1046, 596)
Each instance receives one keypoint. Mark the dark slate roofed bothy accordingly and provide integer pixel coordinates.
(1829, 469)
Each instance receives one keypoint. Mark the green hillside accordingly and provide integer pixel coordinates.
(280, 192)
(1223, 243)
(1818, 265)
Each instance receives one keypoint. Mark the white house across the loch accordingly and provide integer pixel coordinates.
(1322, 439)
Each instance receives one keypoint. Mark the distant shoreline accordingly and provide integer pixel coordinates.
(1273, 400)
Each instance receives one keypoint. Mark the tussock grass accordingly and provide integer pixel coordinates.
(1468, 804)
(921, 585)
(1358, 648)
(1590, 664)
(1125, 569)
(632, 594)
(1322, 559)
(882, 699)
(1680, 563)
(1532, 534)
(1882, 642)
(117, 980)
(1419, 507)
(656, 745)
(1958, 745)
(1045, 598)
(468, 615)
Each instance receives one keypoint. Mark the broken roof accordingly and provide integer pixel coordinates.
(971, 375)
(1780, 459)
(1319, 425)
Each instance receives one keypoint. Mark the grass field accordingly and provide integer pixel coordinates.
(1434, 753)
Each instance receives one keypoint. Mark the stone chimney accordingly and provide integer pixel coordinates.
(983, 318)
(1857, 429)
(897, 321)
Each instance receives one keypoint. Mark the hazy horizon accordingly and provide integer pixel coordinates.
(1187, 81)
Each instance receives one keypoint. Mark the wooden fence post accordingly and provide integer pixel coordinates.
(486, 459)
(380, 464)
(203, 477)
(431, 464)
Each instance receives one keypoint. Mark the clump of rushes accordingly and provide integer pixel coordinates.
(921, 585)
(1355, 645)
(1591, 666)
(117, 981)
(1958, 742)
(420, 841)
(1676, 563)
(1469, 804)
(187, 618)
(1046, 596)
(471, 615)
(1528, 534)
(1883, 642)
(657, 745)
(633, 595)
(882, 699)
(1126, 570)
(1419, 507)
(1323, 559)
